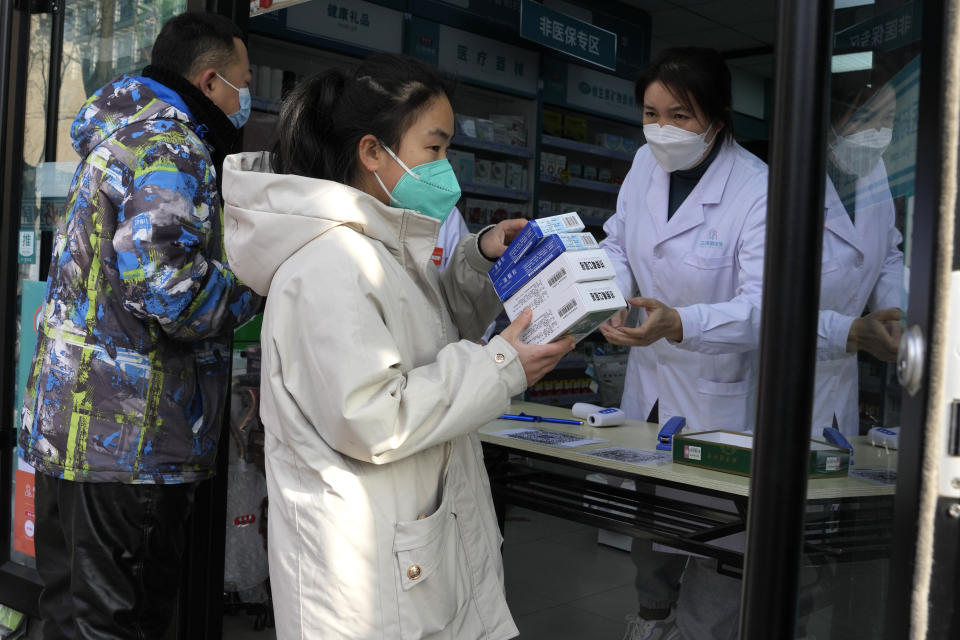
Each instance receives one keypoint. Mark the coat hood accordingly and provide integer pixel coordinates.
(122, 102)
(269, 217)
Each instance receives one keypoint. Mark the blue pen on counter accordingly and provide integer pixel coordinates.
(523, 417)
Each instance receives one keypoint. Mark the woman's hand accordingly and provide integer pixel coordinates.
(662, 322)
(494, 242)
(537, 359)
(877, 333)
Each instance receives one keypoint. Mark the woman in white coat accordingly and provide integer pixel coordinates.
(381, 520)
(862, 266)
(687, 240)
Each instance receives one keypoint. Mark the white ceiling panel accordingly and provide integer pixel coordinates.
(669, 23)
(731, 13)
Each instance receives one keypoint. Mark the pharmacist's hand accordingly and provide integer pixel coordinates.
(495, 241)
(537, 359)
(662, 322)
(616, 321)
(877, 333)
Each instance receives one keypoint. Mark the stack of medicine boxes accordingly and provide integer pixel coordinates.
(562, 274)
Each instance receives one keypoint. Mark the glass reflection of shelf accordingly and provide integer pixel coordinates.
(494, 192)
(584, 147)
(496, 147)
(580, 183)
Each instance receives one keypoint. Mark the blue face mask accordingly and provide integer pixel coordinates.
(430, 188)
(239, 118)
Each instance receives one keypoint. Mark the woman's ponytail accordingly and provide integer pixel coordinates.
(306, 134)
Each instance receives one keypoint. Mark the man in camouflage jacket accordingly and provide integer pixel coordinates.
(124, 401)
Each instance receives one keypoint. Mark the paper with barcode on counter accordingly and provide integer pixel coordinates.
(638, 457)
(548, 438)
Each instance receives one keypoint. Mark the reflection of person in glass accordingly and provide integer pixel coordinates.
(862, 265)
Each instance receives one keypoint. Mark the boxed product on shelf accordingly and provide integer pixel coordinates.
(576, 310)
(467, 125)
(532, 233)
(462, 163)
(575, 128)
(485, 129)
(514, 176)
(575, 169)
(511, 129)
(498, 173)
(482, 171)
(475, 211)
(603, 174)
(589, 172)
(544, 206)
(509, 281)
(609, 141)
(552, 164)
(552, 123)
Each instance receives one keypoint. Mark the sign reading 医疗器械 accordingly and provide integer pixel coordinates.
(568, 35)
(472, 57)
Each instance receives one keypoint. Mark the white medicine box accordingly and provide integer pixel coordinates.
(572, 295)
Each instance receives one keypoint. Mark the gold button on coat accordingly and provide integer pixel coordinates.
(500, 357)
(414, 571)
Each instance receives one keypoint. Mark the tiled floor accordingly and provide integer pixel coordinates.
(561, 584)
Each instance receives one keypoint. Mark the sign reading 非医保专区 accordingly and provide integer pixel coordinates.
(568, 35)
(893, 29)
(352, 21)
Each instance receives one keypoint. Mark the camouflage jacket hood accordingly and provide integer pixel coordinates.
(129, 375)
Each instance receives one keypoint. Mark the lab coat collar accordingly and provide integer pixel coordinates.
(690, 214)
(836, 218)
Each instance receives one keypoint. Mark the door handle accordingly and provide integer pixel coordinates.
(910, 357)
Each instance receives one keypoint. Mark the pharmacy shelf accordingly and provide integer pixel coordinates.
(580, 183)
(265, 104)
(583, 147)
(495, 192)
(495, 147)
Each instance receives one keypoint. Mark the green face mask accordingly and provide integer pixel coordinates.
(430, 188)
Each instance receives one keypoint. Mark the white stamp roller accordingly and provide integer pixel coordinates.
(584, 409)
(606, 418)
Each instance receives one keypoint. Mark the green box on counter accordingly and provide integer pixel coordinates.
(731, 452)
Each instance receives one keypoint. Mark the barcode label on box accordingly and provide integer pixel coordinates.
(589, 240)
(600, 296)
(691, 452)
(567, 308)
(571, 222)
(833, 463)
(557, 277)
(590, 265)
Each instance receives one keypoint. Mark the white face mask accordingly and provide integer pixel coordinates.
(675, 148)
(858, 153)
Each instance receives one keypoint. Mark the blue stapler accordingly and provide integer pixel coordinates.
(673, 426)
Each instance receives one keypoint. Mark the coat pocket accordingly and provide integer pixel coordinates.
(725, 405)
(433, 574)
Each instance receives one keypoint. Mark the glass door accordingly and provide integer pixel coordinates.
(869, 213)
(849, 228)
(69, 51)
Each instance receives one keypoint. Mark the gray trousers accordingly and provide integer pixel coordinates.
(707, 603)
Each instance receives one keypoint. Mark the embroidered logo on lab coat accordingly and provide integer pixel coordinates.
(713, 239)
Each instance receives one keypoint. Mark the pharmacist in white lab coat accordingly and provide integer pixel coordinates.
(687, 240)
(862, 264)
(453, 229)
